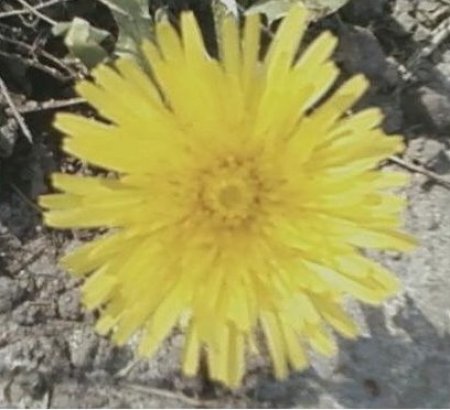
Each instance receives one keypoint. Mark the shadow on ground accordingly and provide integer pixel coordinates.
(407, 370)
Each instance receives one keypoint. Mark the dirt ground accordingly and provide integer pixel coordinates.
(49, 354)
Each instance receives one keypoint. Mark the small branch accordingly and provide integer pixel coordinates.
(438, 179)
(36, 64)
(37, 13)
(28, 11)
(167, 394)
(33, 106)
(36, 52)
(22, 124)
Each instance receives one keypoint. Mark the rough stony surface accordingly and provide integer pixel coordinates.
(51, 357)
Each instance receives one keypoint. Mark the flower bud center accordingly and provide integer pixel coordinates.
(230, 192)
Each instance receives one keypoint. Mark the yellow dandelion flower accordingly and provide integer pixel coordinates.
(242, 199)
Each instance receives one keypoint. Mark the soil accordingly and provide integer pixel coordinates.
(49, 354)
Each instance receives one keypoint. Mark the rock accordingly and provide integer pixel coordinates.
(83, 345)
(403, 10)
(391, 107)
(363, 12)
(46, 354)
(444, 66)
(69, 307)
(32, 384)
(360, 52)
(32, 313)
(407, 22)
(112, 358)
(430, 106)
(424, 150)
(10, 294)
(18, 217)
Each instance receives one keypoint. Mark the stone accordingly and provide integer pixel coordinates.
(430, 106)
(83, 345)
(360, 52)
(425, 150)
(32, 384)
(444, 65)
(112, 358)
(363, 12)
(69, 306)
(32, 313)
(10, 294)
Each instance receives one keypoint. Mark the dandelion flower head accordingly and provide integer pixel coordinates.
(244, 195)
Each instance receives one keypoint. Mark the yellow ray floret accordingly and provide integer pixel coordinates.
(245, 192)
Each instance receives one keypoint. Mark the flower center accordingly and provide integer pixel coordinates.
(230, 196)
(230, 192)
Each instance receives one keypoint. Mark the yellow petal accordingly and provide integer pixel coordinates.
(230, 46)
(275, 343)
(191, 355)
(236, 365)
(295, 352)
(320, 340)
(281, 53)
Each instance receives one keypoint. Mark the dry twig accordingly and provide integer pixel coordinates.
(28, 11)
(33, 106)
(36, 64)
(37, 13)
(33, 62)
(438, 179)
(13, 109)
(167, 394)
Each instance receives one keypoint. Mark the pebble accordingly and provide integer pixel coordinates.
(10, 294)
(434, 108)
(83, 345)
(363, 12)
(69, 307)
(360, 52)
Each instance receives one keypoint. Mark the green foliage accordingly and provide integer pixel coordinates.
(276, 9)
(83, 40)
(134, 22)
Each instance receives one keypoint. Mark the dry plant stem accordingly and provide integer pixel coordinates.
(35, 52)
(421, 170)
(36, 64)
(37, 13)
(167, 394)
(33, 106)
(22, 124)
(27, 9)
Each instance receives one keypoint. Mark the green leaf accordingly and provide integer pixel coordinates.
(134, 22)
(83, 40)
(276, 9)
